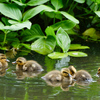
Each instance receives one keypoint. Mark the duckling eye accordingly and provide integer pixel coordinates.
(3, 58)
(65, 72)
(20, 61)
(98, 69)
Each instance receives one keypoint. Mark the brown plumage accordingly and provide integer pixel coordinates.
(82, 75)
(3, 61)
(30, 65)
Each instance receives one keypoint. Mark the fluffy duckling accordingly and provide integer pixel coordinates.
(52, 76)
(98, 73)
(82, 75)
(32, 65)
(72, 71)
(23, 64)
(20, 61)
(58, 76)
(3, 61)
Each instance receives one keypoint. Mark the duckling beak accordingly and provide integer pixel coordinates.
(14, 62)
(69, 75)
(7, 60)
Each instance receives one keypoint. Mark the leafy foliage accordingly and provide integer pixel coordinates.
(22, 22)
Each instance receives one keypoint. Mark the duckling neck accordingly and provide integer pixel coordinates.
(20, 67)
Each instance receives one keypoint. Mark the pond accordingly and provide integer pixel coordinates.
(14, 87)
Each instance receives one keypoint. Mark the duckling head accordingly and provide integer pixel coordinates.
(20, 61)
(72, 70)
(65, 72)
(3, 58)
(98, 71)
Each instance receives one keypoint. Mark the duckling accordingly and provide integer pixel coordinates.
(20, 61)
(72, 71)
(31, 66)
(98, 73)
(3, 61)
(23, 64)
(66, 74)
(52, 76)
(82, 75)
(58, 76)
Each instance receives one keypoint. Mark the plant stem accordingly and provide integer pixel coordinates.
(4, 41)
(71, 6)
(54, 19)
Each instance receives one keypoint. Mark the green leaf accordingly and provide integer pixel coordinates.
(63, 40)
(33, 33)
(19, 3)
(98, 13)
(77, 46)
(19, 26)
(26, 45)
(57, 4)
(77, 54)
(44, 45)
(54, 15)
(36, 2)
(11, 11)
(70, 17)
(49, 31)
(3, 1)
(56, 55)
(65, 24)
(1, 25)
(36, 10)
(80, 1)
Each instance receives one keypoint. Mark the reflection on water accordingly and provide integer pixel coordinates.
(16, 85)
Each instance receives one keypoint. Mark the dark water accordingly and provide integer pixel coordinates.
(13, 87)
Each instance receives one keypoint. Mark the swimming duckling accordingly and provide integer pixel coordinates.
(20, 61)
(66, 74)
(58, 76)
(82, 75)
(31, 66)
(98, 71)
(72, 71)
(54, 75)
(23, 64)
(3, 61)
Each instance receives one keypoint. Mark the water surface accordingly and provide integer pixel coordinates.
(13, 87)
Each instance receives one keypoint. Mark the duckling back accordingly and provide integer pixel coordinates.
(32, 65)
(52, 76)
(82, 75)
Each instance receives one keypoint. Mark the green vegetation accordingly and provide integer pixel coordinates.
(23, 21)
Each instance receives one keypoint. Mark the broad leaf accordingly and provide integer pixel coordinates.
(77, 46)
(70, 17)
(65, 24)
(98, 13)
(34, 11)
(19, 26)
(1, 25)
(56, 55)
(44, 45)
(11, 11)
(57, 4)
(77, 54)
(33, 33)
(36, 2)
(80, 1)
(26, 45)
(63, 40)
(19, 3)
(49, 31)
